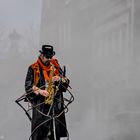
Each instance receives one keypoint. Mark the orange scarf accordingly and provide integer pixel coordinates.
(46, 69)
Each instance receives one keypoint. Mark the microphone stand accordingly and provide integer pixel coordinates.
(51, 113)
(54, 127)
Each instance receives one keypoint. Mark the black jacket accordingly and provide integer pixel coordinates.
(45, 131)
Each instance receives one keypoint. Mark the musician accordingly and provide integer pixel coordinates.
(46, 73)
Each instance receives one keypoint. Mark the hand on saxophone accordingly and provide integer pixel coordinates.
(56, 78)
(43, 93)
(38, 91)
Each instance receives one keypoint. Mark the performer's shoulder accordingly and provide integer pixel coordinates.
(54, 59)
(33, 65)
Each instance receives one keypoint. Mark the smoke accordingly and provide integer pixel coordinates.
(99, 44)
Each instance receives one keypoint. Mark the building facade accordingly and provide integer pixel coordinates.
(96, 39)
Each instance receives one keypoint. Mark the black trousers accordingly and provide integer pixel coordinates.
(45, 132)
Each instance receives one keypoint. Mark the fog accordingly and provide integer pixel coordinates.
(98, 41)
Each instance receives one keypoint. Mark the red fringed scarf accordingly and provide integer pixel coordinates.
(46, 69)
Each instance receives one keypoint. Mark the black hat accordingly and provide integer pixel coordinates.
(47, 51)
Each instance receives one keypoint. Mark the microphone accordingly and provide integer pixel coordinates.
(64, 71)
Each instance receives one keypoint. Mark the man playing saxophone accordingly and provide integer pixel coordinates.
(45, 79)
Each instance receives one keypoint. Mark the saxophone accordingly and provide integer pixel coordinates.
(52, 88)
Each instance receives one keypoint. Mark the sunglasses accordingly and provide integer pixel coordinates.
(48, 57)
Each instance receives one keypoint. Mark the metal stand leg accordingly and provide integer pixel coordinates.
(54, 128)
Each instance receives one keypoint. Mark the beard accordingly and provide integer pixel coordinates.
(47, 63)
